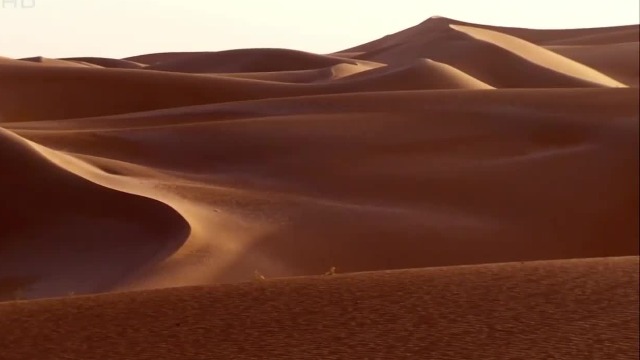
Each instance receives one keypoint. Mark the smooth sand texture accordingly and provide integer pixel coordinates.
(444, 145)
(620, 60)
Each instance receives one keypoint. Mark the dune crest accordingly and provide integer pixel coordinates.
(422, 74)
(540, 56)
(66, 234)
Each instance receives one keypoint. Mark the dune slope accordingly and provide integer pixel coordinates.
(496, 58)
(65, 234)
(381, 180)
(575, 309)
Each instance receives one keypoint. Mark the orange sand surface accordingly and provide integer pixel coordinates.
(475, 188)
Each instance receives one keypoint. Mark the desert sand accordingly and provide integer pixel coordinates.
(475, 188)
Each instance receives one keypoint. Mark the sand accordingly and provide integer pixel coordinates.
(575, 309)
(475, 187)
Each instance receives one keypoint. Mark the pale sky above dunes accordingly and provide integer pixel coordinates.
(120, 28)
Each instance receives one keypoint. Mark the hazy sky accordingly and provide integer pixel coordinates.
(119, 28)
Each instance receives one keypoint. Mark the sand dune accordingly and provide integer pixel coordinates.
(309, 76)
(59, 92)
(106, 62)
(249, 60)
(56, 62)
(540, 57)
(592, 36)
(444, 145)
(151, 59)
(620, 61)
(53, 234)
(498, 59)
(540, 37)
(423, 74)
(578, 309)
(232, 162)
(610, 103)
(616, 36)
(8, 61)
(116, 91)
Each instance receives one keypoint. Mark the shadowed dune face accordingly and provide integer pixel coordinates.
(66, 234)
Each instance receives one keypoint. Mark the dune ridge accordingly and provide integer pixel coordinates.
(540, 57)
(50, 219)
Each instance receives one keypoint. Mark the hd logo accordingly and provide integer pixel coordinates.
(18, 4)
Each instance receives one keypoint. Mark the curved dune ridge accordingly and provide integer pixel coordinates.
(471, 138)
(593, 36)
(495, 58)
(620, 60)
(64, 234)
(499, 164)
(540, 56)
(422, 74)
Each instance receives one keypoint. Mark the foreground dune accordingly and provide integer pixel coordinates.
(445, 145)
(574, 309)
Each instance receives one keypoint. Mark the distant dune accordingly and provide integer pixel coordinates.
(620, 60)
(248, 60)
(498, 166)
(107, 63)
(56, 62)
(422, 74)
